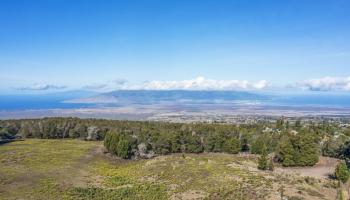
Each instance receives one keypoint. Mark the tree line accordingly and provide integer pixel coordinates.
(292, 142)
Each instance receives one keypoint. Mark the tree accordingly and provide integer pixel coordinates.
(123, 148)
(332, 147)
(263, 159)
(287, 125)
(163, 145)
(342, 172)
(280, 124)
(193, 144)
(345, 150)
(307, 151)
(286, 153)
(232, 145)
(257, 146)
(175, 143)
(214, 142)
(108, 141)
(118, 144)
(299, 150)
(297, 124)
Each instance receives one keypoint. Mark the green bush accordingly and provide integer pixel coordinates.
(118, 144)
(342, 172)
(123, 148)
(232, 145)
(257, 146)
(193, 144)
(297, 150)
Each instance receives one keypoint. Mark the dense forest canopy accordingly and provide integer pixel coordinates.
(293, 143)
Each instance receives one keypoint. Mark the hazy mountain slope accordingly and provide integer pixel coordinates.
(153, 96)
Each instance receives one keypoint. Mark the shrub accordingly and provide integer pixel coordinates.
(257, 146)
(193, 144)
(118, 144)
(232, 145)
(123, 148)
(342, 172)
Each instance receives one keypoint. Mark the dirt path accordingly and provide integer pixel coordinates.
(323, 169)
(80, 176)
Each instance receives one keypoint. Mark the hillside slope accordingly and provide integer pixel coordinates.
(74, 169)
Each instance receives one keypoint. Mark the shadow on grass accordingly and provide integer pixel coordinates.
(5, 141)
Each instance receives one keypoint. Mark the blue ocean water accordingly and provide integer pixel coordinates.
(24, 102)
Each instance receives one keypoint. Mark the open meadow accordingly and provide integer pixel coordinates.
(76, 169)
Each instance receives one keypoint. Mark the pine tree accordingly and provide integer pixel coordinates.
(263, 160)
(286, 153)
(232, 145)
(257, 146)
(308, 151)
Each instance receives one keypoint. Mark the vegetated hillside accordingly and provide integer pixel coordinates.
(294, 143)
(69, 169)
(297, 143)
(157, 96)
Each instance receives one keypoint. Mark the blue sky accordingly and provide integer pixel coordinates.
(56, 45)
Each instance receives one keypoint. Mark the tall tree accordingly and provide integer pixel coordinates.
(286, 152)
(307, 151)
(263, 159)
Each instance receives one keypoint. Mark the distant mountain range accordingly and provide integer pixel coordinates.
(161, 96)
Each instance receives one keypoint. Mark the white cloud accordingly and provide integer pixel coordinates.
(201, 83)
(43, 87)
(95, 86)
(119, 81)
(109, 85)
(326, 84)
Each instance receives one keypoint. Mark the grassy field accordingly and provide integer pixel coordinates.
(74, 169)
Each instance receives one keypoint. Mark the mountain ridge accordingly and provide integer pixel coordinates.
(157, 96)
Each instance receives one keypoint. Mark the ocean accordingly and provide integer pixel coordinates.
(34, 102)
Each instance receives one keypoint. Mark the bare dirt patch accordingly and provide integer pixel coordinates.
(81, 176)
(189, 195)
(323, 169)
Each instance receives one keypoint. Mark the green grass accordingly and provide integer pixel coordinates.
(73, 169)
(209, 173)
(27, 166)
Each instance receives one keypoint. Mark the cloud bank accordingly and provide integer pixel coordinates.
(201, 83)
(109, 85)
(326, 84)
(43, 87)
(95, 86)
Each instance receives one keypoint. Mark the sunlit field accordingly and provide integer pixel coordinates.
(75, 169)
